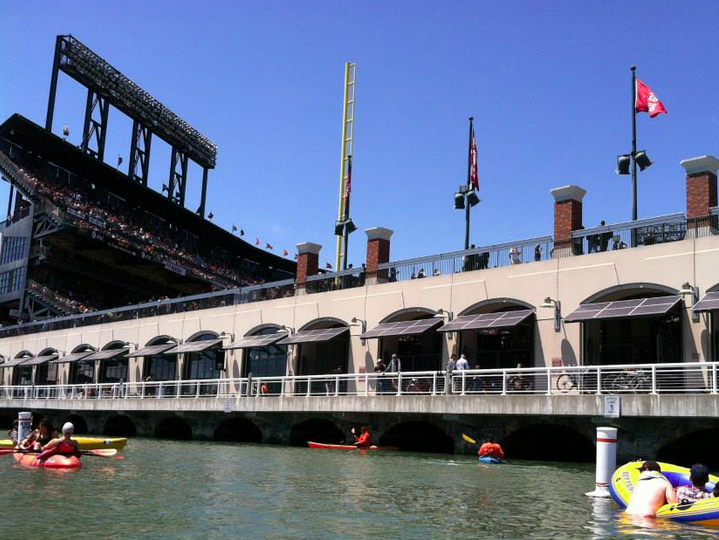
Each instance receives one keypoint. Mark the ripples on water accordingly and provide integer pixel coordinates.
(178, 490)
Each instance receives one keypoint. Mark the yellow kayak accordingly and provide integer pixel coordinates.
(86, 443)
(703, 512)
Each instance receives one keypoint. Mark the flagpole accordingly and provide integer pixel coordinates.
(634, 143)
(469, 183)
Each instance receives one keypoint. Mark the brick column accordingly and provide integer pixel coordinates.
(567, 217)
(701, 193)
(308, 255)
(377, 253)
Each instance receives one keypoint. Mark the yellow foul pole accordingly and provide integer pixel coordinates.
(348, 110)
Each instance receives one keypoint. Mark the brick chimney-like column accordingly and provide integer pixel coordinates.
(377, 253)
(701, 185)
(567, 217)
(308, 255)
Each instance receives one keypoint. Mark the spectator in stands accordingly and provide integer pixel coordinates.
(515, 256)
(537, 253)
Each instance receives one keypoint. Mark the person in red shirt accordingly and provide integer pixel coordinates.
(491, 449)
(364, 439)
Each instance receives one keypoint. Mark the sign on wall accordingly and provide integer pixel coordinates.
(612, 406)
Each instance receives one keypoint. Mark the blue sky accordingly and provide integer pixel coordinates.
(547, 82)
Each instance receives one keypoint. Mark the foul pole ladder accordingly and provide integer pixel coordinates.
(348, 123)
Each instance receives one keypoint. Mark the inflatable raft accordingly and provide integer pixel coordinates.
(490, 459)
(348, 446)
(704, 512)
(53, 462)
(86, 443)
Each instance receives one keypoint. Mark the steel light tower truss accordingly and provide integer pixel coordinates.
(107, 86)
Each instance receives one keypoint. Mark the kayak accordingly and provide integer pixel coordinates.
(348, 446)
(86, 443)
(703, 512)
(53, 462)
(489, 459)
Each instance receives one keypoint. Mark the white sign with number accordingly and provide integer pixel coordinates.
(228, 405)
(612, 406)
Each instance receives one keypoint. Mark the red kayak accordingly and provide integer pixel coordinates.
(57, 461)
(348, 446)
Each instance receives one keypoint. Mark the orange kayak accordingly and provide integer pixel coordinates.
(348, 446)
(57, 461)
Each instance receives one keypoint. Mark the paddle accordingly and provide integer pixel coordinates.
(469, 439)
(100, 452)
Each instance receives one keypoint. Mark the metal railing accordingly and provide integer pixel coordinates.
(481, 258)
(642, 232)
(650, 379)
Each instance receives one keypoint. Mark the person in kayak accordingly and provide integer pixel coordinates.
(364, 439)
(651, 491)
(65, 445)
(491, 449)
(38, 438)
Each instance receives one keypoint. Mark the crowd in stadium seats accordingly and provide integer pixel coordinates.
(62, 299)
(154, 242)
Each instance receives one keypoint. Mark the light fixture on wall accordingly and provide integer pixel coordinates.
(223, 335)
(689, 289)
(356, 321)
(444, 314)
(557, 305)
(289, 329)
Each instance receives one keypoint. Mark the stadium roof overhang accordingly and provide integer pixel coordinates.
(49, 147)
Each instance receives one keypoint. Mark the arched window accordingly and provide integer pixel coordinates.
(206, 361)
(266, 361)
(22, 373)
(81, 371)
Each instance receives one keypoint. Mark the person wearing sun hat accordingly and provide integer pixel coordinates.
(651, 491)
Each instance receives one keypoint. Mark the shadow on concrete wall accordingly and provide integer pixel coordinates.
(238, 430)
(316, 430)
(119, 426)
(695, 447)
(549, 442)
(174, 428)
(418, 437)
(77, 421)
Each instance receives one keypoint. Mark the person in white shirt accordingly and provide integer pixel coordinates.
(462, 363)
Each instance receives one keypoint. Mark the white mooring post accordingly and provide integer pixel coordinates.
(23, 425)
(606, 461)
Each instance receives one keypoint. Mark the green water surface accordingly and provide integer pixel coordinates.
(188, 490)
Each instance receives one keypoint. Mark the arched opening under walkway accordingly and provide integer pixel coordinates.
(77, 421)
(174, 428)
(120, 426)
(549, 442)
(695, 447)
(418, 437)
(238, 430)
(316, 430)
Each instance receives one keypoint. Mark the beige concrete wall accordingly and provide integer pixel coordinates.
(571, 280)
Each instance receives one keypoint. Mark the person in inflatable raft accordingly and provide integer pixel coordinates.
(64, 445)
(491, 449)
(651, 491)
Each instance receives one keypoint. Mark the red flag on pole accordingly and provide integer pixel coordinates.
(257, 241)
(268, 245)
(646, 101)
(328, 266)
(473, 175)
(286, 253)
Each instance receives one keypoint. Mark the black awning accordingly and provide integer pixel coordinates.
(402, 328)
(193, 346)
(308, 336)
(501, 319)
(710, 302)
(642, 307)
(15, 362)
(262, 340)
(151, 350)
(73, 357)
(39, 360)
(106, 355)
